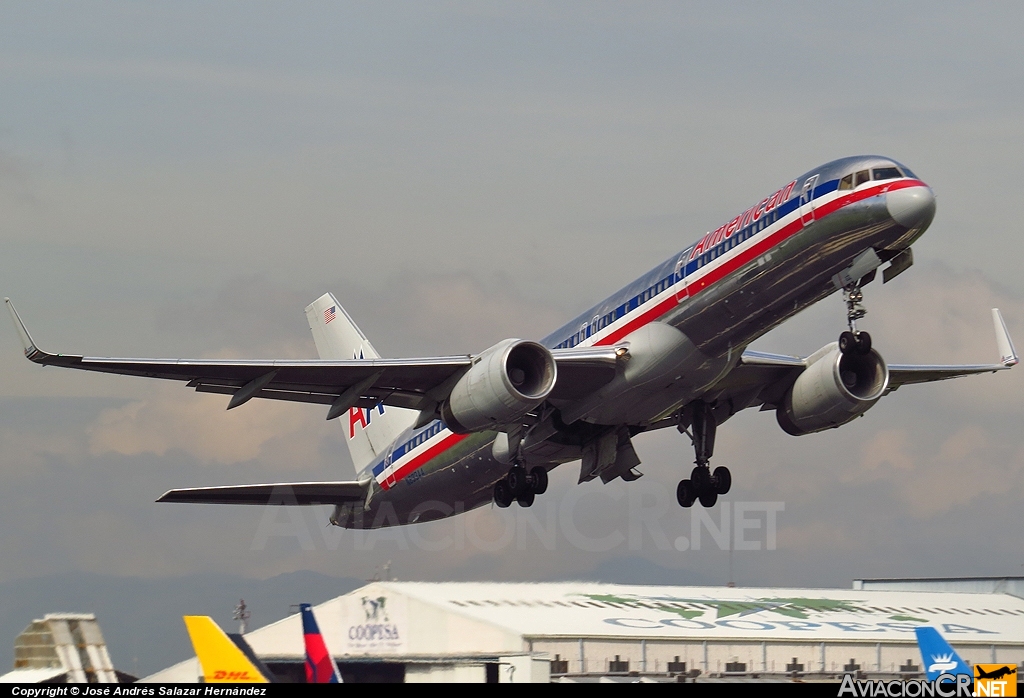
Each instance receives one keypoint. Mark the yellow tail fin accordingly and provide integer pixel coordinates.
(219, 658)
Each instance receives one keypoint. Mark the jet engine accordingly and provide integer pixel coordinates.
(832, 390)
(502, 384)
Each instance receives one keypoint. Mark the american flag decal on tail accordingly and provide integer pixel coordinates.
(330, 313)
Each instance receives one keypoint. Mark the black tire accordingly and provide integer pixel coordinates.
(721, 479)
(685, 494)
(863, 343)
(539, 480)
(700, 479)
(708, 499)
(518, 482)
(502, 494)
(526, 498)
(847, 342)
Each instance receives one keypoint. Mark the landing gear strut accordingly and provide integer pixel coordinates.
(852, 341)
(703, 486)
(520, 486)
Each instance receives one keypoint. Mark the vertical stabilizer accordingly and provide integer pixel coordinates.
(320, 666)
(938, 657)
(368, 432)
(223, 659)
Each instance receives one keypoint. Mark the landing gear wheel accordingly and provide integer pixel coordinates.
(721, 480)
(502, 494)
(863, 343)
(700, 479)
(538, 480)
(526, 498)
(518, 482)
(708, 498)
(848, 342)
(685, 494)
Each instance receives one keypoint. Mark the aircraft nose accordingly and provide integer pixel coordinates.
(913, 207)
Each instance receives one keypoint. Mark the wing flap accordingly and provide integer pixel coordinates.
(280, 493)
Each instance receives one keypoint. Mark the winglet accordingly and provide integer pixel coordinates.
(26, 338)
(1007, 354)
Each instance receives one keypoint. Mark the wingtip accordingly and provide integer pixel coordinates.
(26, 339)
(1007, 353)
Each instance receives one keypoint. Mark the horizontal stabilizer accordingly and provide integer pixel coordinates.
(281, 493)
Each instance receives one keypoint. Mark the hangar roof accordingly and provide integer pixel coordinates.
(592, 609)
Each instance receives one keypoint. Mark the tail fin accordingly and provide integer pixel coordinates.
(938, 656)
(369, 432)
(224, 658)
(320, 666)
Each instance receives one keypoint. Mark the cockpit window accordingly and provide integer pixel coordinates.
(861, 177)
(846, 182)
(886, 173)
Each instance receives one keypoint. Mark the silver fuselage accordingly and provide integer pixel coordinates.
(723, 292)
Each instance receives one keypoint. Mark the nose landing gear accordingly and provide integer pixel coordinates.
(852, 341)
(520, 486)
(703, 486)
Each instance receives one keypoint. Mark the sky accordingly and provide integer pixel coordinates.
(181, 179)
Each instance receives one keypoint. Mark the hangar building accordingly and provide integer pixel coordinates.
(418, 631)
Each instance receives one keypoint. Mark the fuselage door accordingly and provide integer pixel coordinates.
(680, 278)
(389, 478)
(807, 200)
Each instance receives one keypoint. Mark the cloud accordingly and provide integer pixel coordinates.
(175, 419)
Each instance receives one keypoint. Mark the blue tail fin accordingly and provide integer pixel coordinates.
(938, 656)
(320, 666)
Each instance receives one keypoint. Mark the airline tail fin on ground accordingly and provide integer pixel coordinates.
(938, 657)
(320, 666)
(368, 431)
(224, 658)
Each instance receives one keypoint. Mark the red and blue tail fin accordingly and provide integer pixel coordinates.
(320, 666)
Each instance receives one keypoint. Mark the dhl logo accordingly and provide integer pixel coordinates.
(222, 675)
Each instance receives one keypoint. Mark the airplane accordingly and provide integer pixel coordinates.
(223, 657)
(434, 437)
(320, 666)
(938, 657)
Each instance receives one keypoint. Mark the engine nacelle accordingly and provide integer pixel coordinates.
(834, 389)
(503, 384)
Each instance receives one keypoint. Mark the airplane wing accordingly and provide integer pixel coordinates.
(286, 493)
(900, 374)
(764, 377)
(418, 383)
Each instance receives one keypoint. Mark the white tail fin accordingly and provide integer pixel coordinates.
(369, 432)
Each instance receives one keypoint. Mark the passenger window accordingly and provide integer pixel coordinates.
(846, 182)
(886, 173)
(861, 177)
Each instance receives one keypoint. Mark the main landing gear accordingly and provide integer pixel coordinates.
(852, 341)
(703, 486)
(520, 486)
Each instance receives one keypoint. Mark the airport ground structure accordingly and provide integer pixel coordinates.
(63, 648)
(585, 631)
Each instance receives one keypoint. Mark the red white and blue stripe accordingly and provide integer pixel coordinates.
(749, 236)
